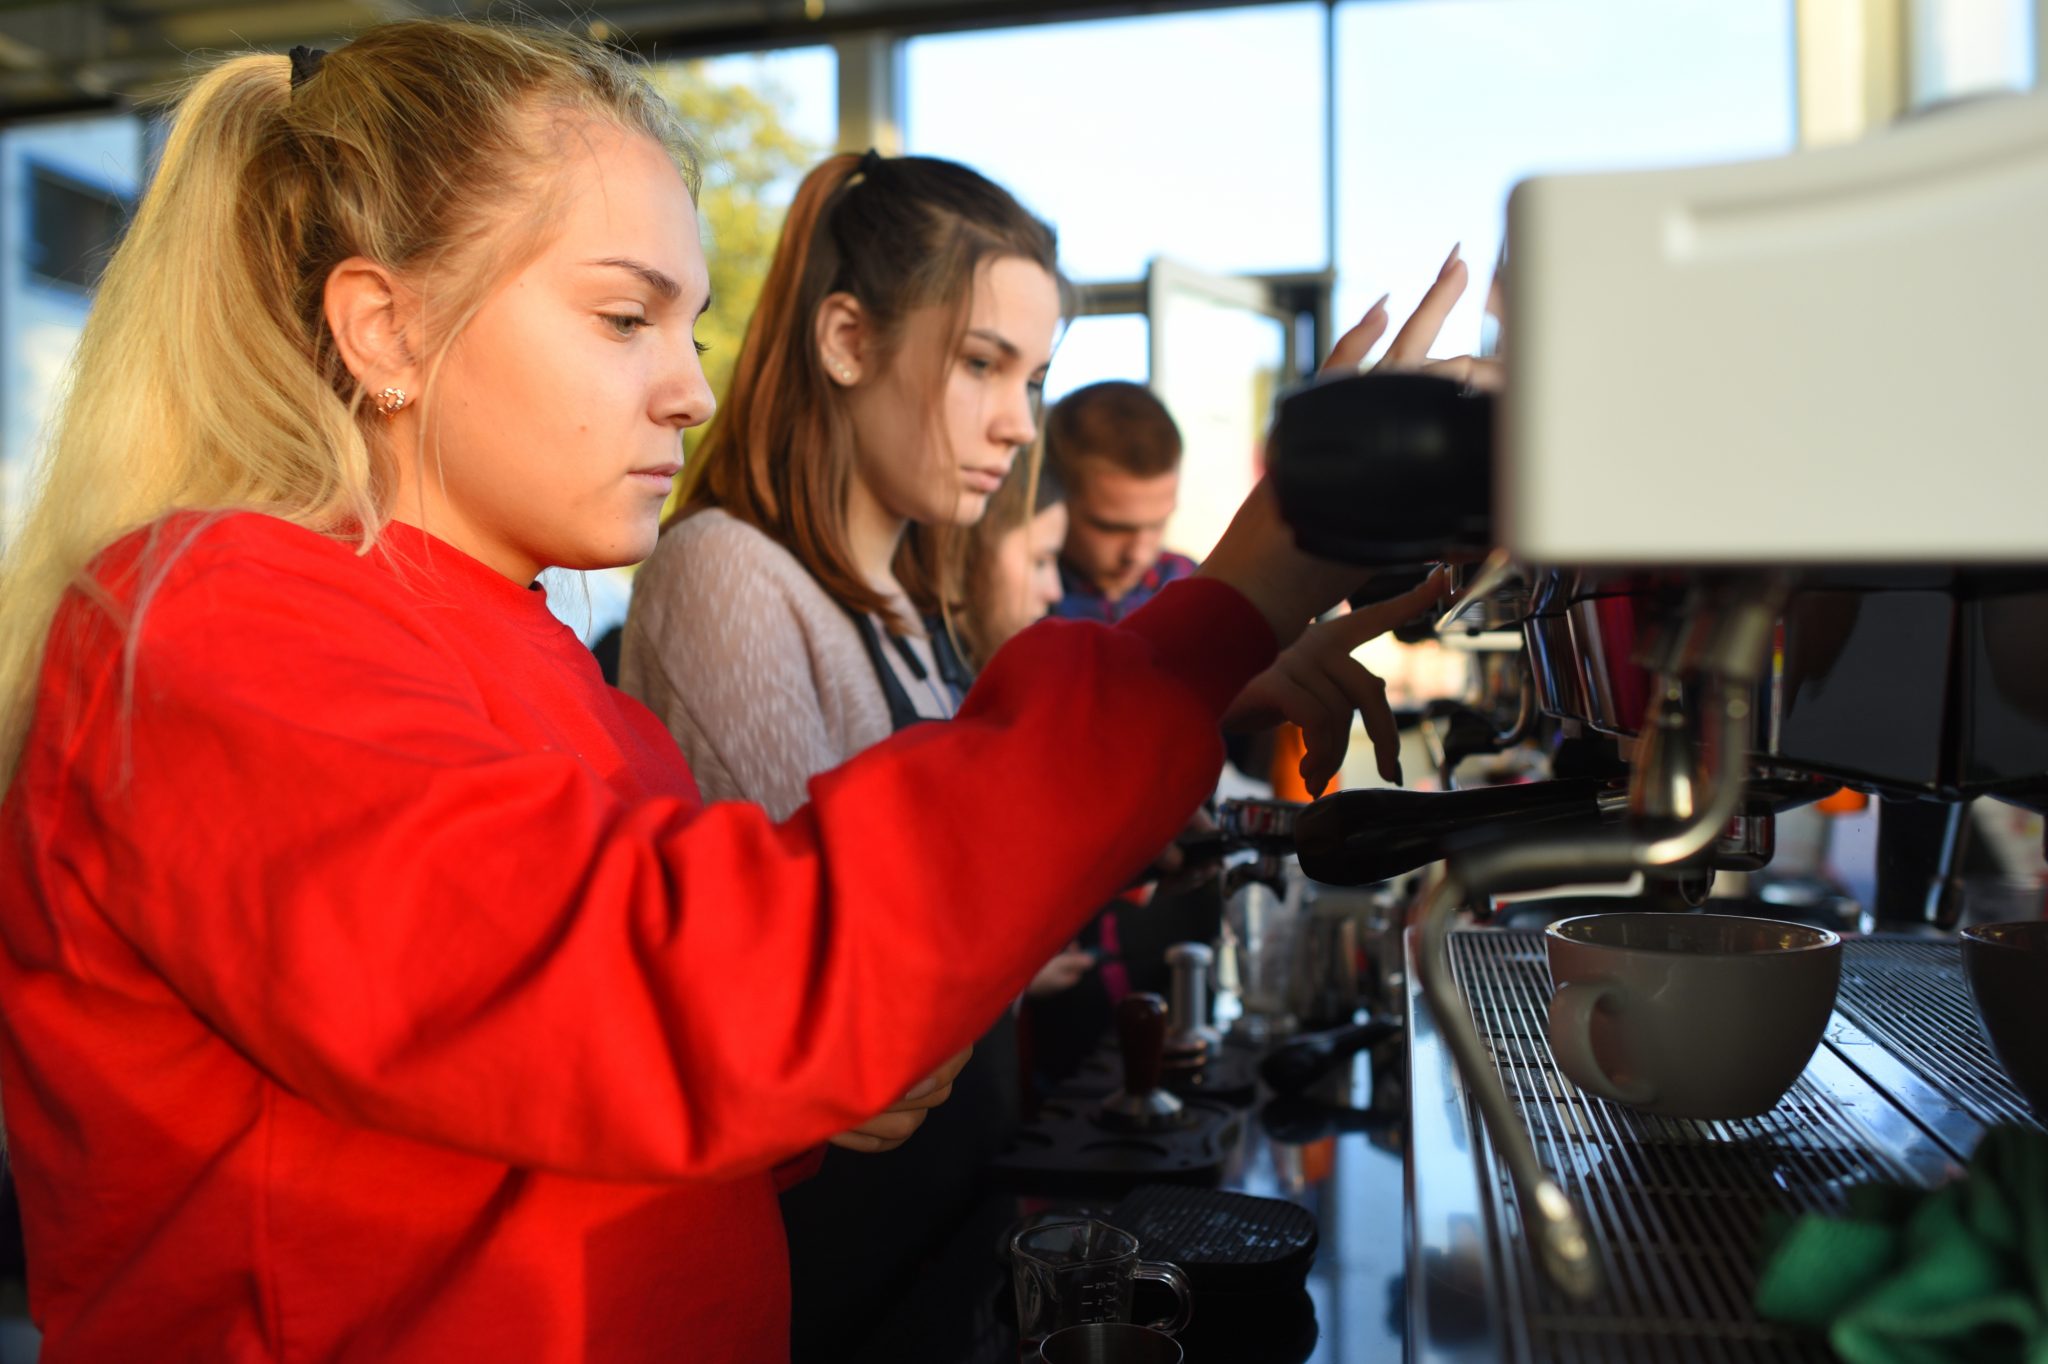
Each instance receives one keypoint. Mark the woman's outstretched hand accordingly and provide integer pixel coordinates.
(1317, 685)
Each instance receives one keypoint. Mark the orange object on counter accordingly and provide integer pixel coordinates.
(1289, 748)
(1846, 801)
(1319, 1160)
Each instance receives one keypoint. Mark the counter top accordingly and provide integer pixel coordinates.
(1899, 1091)
(1338, 1155)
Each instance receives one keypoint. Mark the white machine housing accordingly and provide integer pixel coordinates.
(1837, 356)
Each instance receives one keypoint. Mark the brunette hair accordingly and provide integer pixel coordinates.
(206, 377)
(897, 234)
(1032, 486)
(1118, 422)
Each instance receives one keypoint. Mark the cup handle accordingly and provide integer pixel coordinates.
(1160, 1272)
(1571, 1036)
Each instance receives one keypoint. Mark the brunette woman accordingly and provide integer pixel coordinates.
(793, 615)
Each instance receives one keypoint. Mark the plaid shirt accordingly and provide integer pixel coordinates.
(1081, 600)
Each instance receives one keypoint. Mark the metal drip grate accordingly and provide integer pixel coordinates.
(1910, 997)
(1677, 1207)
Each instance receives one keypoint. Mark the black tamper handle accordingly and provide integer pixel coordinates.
(1141, 1033)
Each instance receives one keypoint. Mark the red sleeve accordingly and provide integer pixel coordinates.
(306, 823)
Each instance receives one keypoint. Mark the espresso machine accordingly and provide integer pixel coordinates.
(1764, 498)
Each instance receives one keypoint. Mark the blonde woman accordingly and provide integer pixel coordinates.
(370, 986)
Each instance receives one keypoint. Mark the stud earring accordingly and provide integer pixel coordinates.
(846, 374)
(391, 400)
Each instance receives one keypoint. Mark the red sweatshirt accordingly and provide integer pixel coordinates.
(374, 986)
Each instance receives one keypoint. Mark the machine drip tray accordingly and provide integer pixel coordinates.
(1901, 1091)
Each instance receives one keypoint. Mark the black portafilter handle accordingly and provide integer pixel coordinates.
(1353, 838)
(1384, 468)
(1299, 1062)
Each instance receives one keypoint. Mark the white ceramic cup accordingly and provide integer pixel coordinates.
(1689, 1015)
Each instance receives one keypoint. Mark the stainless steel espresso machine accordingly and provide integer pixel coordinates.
(1766, 498)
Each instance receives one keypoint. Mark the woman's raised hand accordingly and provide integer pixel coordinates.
(1257, 554)
(1316, 683)
(1409, 349)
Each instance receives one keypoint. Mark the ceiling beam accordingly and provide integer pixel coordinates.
(712, 28)
(67, 57)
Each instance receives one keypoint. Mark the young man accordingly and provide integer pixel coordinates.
(1117, 450)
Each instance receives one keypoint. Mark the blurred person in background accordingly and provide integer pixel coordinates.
(1116, 449)
(1011, 574)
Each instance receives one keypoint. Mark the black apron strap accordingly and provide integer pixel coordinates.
(953, 669)
(902, 714)
(954, 673)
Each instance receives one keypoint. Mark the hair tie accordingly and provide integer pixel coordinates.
(870, 162)
(306, 64)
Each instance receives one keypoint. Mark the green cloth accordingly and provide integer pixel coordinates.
(1955, 1275)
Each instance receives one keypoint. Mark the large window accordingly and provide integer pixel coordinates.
(65, 191)
(1201, 139)
(1197, 146)
(799, 84)
(763, 120)
(1198, 136)
(1114, 346)
(74, 226)
(1971, 47)
(1443, 104)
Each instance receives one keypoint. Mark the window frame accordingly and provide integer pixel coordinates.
(40, 171)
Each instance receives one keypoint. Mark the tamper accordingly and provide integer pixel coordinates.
(1141, 1105)
(1190, 1042)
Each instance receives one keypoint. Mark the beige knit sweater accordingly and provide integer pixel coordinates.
(760, 675)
